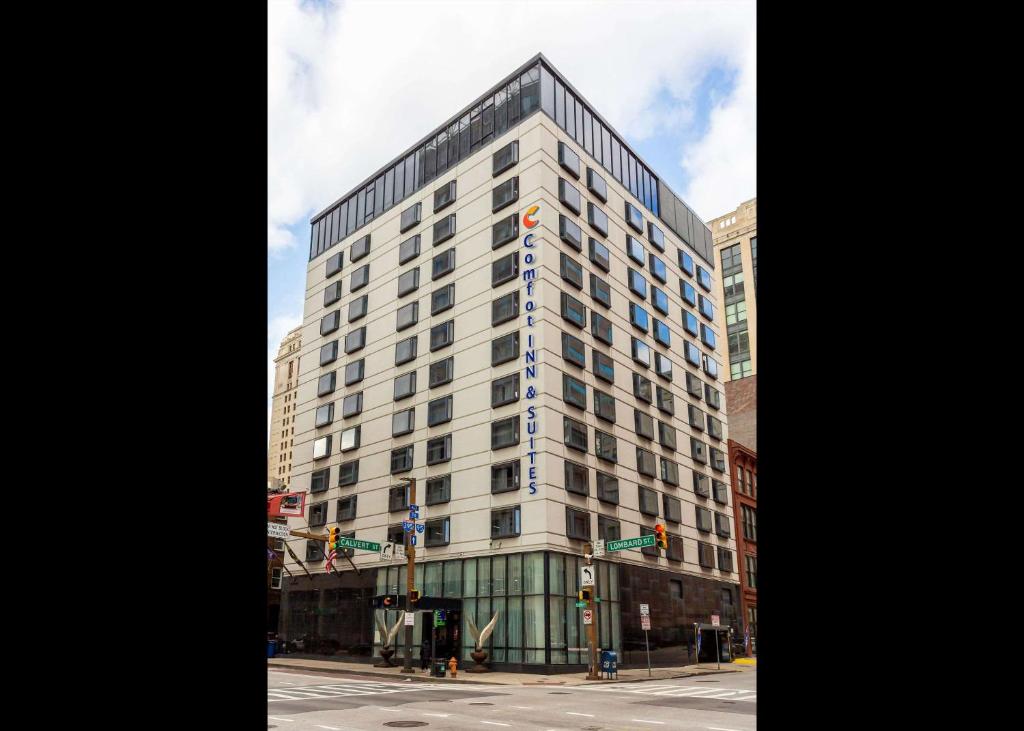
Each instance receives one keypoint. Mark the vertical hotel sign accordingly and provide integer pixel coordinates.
(530, 276)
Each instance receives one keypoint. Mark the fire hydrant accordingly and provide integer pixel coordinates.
(453, 664)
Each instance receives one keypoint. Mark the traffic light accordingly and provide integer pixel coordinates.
(332, 538)
(390, 601)
(586, 594)
(414, 595)
(661, 538)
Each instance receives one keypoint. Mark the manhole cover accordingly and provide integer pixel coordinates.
(481, 704)
(405, 724)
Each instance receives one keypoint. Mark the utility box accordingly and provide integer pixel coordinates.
(439, 669)
(610, 663)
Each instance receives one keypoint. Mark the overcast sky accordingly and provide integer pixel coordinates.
(353, 84)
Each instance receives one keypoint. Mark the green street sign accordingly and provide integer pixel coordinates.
(581, 604)
(355, 543)
(641, 542)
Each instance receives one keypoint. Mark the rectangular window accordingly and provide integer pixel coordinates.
(690, 323)
(692, 353)
(722, 525)
(596, 184)
(405, 350)
(597, 219)
(575, 434)
(752, 573)
(577, 524)
(505, 476)
(600, 291)
(439, 449)
(409, 249)
(656, 236)
(643, 424)
(571, 271)
(505, 522)
(330, 322)
(700, 485)
(324, 415)
(641, 352)
(662, 334)
(443, 335)
(403, 422)
(442, 299)
(329, 353)
(572, 310)
(696, 417)
(360, 278)
(436, 533)
(314, 551)
(665, 400)
(673, 509)
(669, 472)
(439, 490)
(707, 336)
(347, 508)
(441, 371)
(352, 405)
(659, 300)
(505, 308)
(642, 388)
(724, 559)
(633, 216)
(703, 278)
(359, 248)
(444, 229)
(675, 552)
(706, 555)
(638, 317)
(326, 383)
(703, 520)
(569, 160)
(332, 294)
(319, 480)
(505, 348)
(648, 501)
(570, 233)
(604, 366)
(505, 390)
(569, 196)
(505, 269)
(608, 529)
(350, 439)
(663, 366)
(717, 459)
(334, 264)
(688, 293)
(505, 432)
(710, 366)
(720, 492)
(439, 411)
(637, 284)
(685, 262)
(408, 281)
(407, 316)
(606, 446)
(574, 392)
(505, 158)
(573, 350)
(666, 435)
(322, 447)
(444, 196)
(714, 427)
(411, 216)
(401, 459)
(712, 396)
(604, 405)
(357, 308)
(577, 478)
(706, 308)
(645, 462)
(355, 340)
(405, 385)
(354, 371)
(698, 451)
(694, 385)
(599, 254)
(635, 250)
(504, 231)
(505, 194)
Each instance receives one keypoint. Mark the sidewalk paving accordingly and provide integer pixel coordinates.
(501, 678)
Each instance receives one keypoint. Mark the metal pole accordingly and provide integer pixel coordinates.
(433, 641)
(718, 648)
(410, 555)
(648, 643)
(591, 628)
(696, 645)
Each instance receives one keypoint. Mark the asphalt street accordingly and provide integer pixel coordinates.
(305, 701)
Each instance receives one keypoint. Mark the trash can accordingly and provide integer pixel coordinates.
(610, 663)
(271, 648)
(439, 669)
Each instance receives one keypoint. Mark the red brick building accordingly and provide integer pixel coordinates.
(744, 500)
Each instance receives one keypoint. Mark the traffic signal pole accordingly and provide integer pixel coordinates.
(410, 579)
(591, 628)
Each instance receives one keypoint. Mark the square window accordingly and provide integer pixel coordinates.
(355, 340)
(641, 352)
(505, 269)
(608, 529)
(505, 476)
(685, 262)
(577, 524)
(666, 435)
(669, 472)
(645, 462)
(658, 269)
(663, 366)
(322, 447)
(329, 352)
(575, 434)
(634, 218)
(597, 219)
(688, 293)
(439, 449)
(332, 293)
(635, 250)
(599, 254)
(604, 366)
(656, 236)
(439, 411)
(700, 485)
(441, 371)
(638, 317)
(442, 299)
(319, 480)
(505, 308)
(408, 281)
(637, 284)
(350, 438)
(695, 417)
(439, 490)
(442, 264)
(405, 350)
(326, 383)
(666, 401)
(570, 233)
(505, 432)
(436, 533)
(318, 514)
(407, 316)
(597, 185)
(359, 249)
(607, 488)
(357, 308)
(505, 522)
(504, 231)
(698, 451)
(569, 160)
(643, 424)
(505, 390)
(673, 509)
(504, 158)
(659, 300)
(642, 388)
(694, 385)
(573, 350)
(572, 271)
(330, 322)
(572, 310)
(444, 196)
(360, 278)
(409, 249)
(568, 196)
(411, 216)
(604, 405)
(712, 396)
(574, 392)
(405, 385)
(577, 478)
(444, 229)
(352, 405)
(505, 348)
(403, 422)
(648, 501)
(401, 459)
(720, 492)
(505, 194)
(443, 335)
(354, 372)
(600, 291)
(605, 446)
(334, 264)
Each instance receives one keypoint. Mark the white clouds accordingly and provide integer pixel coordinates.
(352, 85)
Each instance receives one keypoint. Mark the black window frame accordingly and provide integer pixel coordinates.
(597, 219)
(577, 397)
(569, 196)
(449, 367)
(570, 232)
(577, 344)
(601, 261)
(500, 395)
(499, 265)
(359, 278)
(497, 425)
(604, 406)
(503, 303)
(447, 329)
(505, 194)
(571, 270)
(409, 249)
(505, 231)
(512, 468)
(599, 360)
(443, 230)
(411, 379)
(447, 260)
(600, 291)
(442, 444)
(408, 416)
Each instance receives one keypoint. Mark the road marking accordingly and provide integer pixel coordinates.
(391, 710)
(719, 728)
(641, 720)
(525, 708)
(332, 728)
(438, 715)
(573, 713)
(495, 723)
(275, 718)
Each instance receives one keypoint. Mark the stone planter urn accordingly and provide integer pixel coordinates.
(479, 656)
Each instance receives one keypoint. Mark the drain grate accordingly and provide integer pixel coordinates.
(707, 681)
(405, 724)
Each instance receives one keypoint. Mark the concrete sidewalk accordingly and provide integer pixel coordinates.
(497, 678)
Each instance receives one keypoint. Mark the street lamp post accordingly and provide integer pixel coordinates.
(410, 556)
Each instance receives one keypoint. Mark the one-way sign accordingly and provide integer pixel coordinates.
(586, 575)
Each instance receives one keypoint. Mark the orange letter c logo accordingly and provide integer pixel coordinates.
(528, 220)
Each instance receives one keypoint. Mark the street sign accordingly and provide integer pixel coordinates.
(588, 616)
(580, 605)
(277, 530)
(599, 548)
(641, 542)
(407, 525)
(387, 552)
(645, 622)
(587, 575)
(412, 539)
(355, 543)
(645, 610)
(714, 620)
(419, 527)
(410, 619)
(439, 618)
